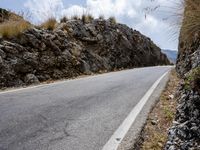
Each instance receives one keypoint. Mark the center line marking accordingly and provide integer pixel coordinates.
(120, 133)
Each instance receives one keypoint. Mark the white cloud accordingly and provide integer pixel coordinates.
(117, 8)
(129, 12)
(149, 22)
(43, 9)
(73, 10)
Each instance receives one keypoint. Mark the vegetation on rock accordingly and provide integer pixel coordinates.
(64, 19)
(50, 24)
(112, 20)
(192, 80)
(13, 28)
(11, 24)
(191, 19)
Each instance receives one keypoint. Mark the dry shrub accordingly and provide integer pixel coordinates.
(50, 24)
(13, 28)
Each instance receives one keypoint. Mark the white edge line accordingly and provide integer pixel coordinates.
(120, 133)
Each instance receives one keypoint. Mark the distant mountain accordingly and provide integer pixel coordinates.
(171, 54)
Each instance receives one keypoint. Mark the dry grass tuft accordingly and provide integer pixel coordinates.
(87, 18)
(64, 19)
(101, 17)
(112, 20)
(13, 28)
(191, 19)
(75, 17)
(50, 24)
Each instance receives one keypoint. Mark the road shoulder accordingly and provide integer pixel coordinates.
(135, 130)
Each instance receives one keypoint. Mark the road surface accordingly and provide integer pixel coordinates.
(80, 114)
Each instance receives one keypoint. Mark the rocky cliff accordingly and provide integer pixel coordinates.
(74, 48)
(185, 132)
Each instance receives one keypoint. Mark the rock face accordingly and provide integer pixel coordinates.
(188, 56)
(185, 132)
(72, 49)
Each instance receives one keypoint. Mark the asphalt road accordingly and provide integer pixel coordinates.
(79, 114)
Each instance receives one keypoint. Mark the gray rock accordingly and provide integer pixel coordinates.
(1, 61)
(2, 54)
(154, 122)
(31, 79)
(172, 148)
(186, 132)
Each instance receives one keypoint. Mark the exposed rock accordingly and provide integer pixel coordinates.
(31, 78)
(154, 122)
(72, 49)
(185, 133)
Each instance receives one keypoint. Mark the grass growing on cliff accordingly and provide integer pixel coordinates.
(64, 19)
(191, 19)
(112, 20)
(75, 17)
(87, 18)
(101, 17)
(50, 24)
(192, 80)
(13, 28)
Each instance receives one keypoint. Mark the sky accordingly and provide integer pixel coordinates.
(159, 25)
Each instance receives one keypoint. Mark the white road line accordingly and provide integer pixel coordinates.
(120, 133)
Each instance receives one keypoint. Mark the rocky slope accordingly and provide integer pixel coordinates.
(74, 48)
(185, 133)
